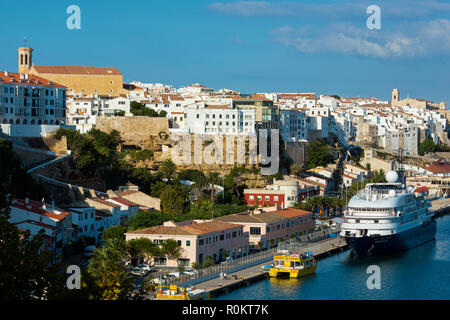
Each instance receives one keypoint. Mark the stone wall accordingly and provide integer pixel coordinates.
(136, 130)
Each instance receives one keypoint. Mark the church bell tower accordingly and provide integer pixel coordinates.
(25, 59)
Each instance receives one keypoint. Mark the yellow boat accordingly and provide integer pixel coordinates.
(296, 265)
(174, 292)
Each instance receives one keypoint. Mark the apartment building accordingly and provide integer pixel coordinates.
(203, 118)
(30, 105)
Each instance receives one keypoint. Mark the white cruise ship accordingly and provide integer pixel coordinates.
(388, 217)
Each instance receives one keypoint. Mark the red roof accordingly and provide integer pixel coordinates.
(36, 207)
(440, 166)
(32, 80)
(77, 70)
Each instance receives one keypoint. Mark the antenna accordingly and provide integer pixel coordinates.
(25, 40)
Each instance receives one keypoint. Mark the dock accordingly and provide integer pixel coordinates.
(440, 206)
(248, 275)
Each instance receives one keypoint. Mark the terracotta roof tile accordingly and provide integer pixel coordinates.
(77, 70)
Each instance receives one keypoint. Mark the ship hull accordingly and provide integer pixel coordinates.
(411, 238)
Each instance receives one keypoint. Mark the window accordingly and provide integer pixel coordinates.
(234, 234)
(188, 243)
(267, 198)
(251, 198)
(275, 198)
(255, 230)
(200, 242)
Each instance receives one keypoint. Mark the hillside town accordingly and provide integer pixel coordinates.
(97, 155)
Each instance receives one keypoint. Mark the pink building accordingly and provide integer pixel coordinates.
(272, 225)
(198, 239)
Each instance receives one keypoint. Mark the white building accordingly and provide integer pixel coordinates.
(30, 106)
(34, 216)
(202, 118)
(293, 125)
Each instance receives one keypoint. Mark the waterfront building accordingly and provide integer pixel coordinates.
(267, 228)
(198, 239)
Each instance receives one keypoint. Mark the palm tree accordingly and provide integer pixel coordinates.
(168, 169)
(212, 179)
(200, 184)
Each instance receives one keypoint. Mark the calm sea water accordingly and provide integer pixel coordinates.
(419, 273)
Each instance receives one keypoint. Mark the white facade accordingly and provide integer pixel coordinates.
(28, 100)
(213, 119)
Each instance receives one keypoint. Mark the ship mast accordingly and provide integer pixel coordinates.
(401, 169)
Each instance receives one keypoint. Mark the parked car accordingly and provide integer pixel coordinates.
(191, 272)
(147, 268)
(136, 271)
(89, 251)
(176, 274)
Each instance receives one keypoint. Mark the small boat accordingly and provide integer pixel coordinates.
(294, 264)
(174, 292)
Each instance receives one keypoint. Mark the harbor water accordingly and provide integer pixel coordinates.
(419, 273)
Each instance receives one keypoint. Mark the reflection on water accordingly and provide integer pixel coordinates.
(419, 273)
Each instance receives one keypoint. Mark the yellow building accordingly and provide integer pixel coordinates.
(79, 80)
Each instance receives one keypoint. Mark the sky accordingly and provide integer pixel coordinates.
(323, 47)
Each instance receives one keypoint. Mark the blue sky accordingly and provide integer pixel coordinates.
(249, 46)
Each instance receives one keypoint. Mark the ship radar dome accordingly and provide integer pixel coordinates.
(392, 176)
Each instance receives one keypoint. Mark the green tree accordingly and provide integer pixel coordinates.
(114, 232)
(109, 278)
(143, 248)
(295, 169)
(208, 262)
(172, 249)
(174, 200)
(318, 155)
(196, 265)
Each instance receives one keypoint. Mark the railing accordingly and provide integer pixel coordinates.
(213, 271)
(255, 258)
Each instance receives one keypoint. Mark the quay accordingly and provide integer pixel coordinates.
(247, 270)
(245, 276)
(440, 206)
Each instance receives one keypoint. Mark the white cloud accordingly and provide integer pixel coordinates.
(414, 40)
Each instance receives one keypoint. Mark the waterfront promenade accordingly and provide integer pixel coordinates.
(242, 275)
